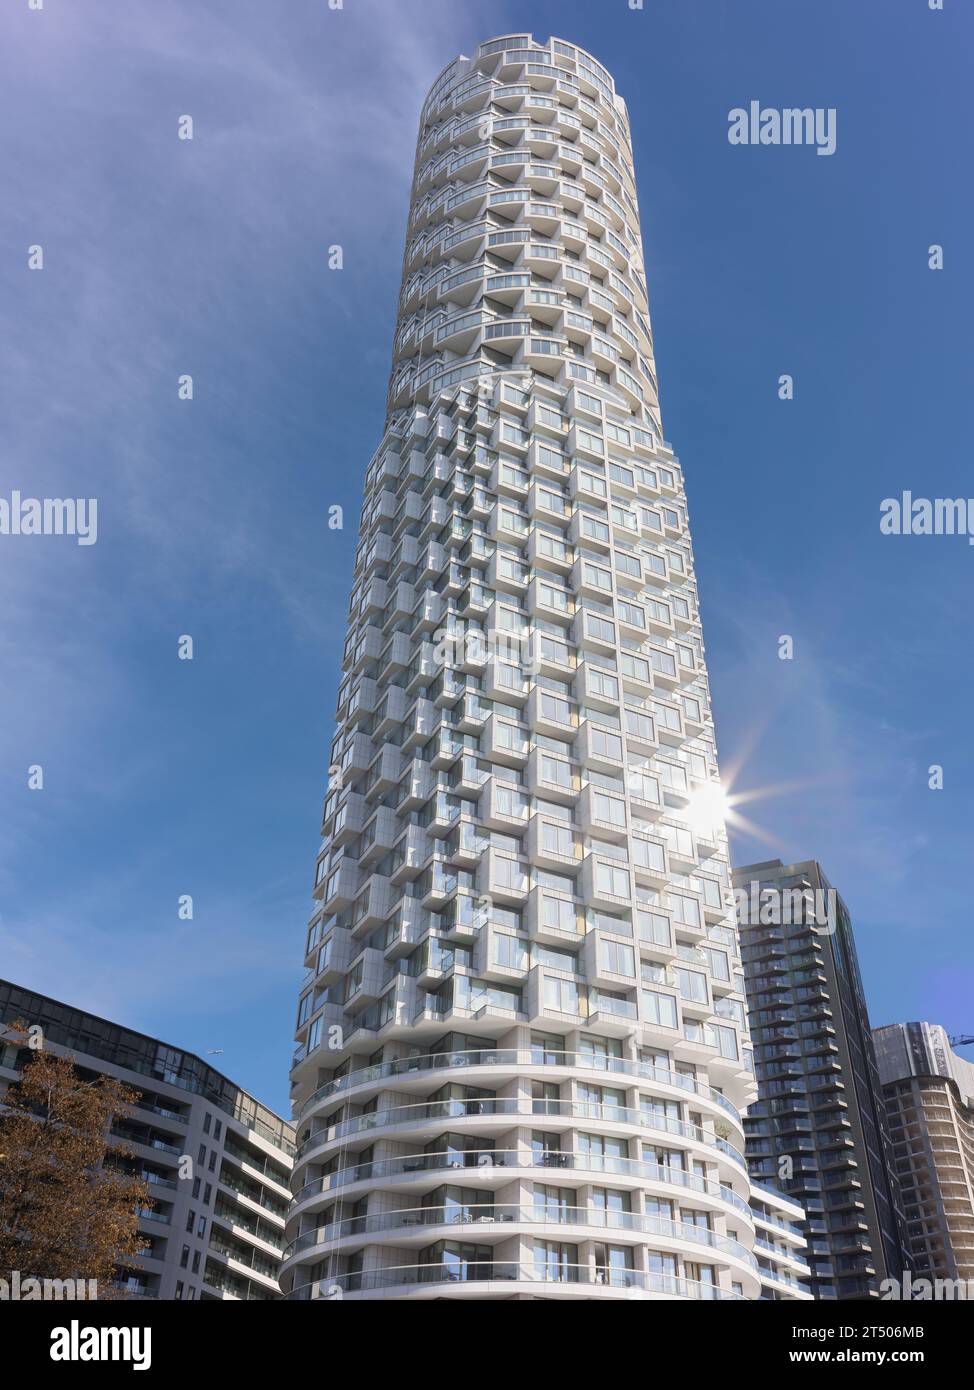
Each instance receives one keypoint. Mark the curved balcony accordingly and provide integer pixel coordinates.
(496, 1167)
(520, 1062)
(484, 1113)
(496, 1222)
(504, 1280)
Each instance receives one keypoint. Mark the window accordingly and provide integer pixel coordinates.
(550, 1051)
(598, 578)
(551, 1203)
(551, 546)
(554, 651)
(545, 1098)
(557, 839)
(659, 1008)
(559, 599)
(635, 667)
(601, 683)
(561, 995)
(604, 1152)
(640, 725)
(508, 873)
(600, 628)
(684, 910)
(717, 963)
(698, 1219)
(555, 1261)
(600, 1052)
(662, 1270)
(556, 912)
(692, 985)
(594, 530)
(608, 810)
(725, 1040)
(605, 745)
(659, 1208)
(556, 772)
(672, 775)
(643, 785)
(510, 952)
(632, 614)
(616, 959)
(654, 928)
(510, 737)
(611, 880)
(508, 802)
(607, 1102)
(648, 854)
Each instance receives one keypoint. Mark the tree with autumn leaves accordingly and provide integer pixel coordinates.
(66, 1210)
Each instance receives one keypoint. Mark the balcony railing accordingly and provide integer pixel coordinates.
(423, 1113)
(577, 1061)
(478, 1159)
(488, 1214)
(405, 1276)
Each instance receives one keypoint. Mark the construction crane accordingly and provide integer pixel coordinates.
(964, 1040)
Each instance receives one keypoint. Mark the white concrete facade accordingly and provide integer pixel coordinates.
(522, 1048)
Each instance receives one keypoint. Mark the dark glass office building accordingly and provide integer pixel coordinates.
(818, 1130)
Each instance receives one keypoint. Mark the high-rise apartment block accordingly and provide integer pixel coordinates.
(929, 1095)
(215, 1229)
(818, 1131)
(522, 1048)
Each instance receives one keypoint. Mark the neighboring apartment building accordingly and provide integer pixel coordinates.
(929, 1095)
(219, 1233)
(818, 1131)
(522, 1048)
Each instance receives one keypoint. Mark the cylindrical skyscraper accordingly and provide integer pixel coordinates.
(522, 1038)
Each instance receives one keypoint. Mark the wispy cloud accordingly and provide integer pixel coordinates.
(826, 768)
(207, 257)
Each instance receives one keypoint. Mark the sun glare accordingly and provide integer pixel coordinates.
(708, 809)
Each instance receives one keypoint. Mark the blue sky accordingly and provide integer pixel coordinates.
(209, 257)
